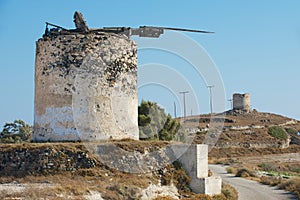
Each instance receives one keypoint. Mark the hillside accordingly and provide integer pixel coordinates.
(264, 147)
(60, 170)
(73, 171)
(245, 132)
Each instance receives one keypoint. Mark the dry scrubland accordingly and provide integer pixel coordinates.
(256, 152)
(57, 179)
(73, 172)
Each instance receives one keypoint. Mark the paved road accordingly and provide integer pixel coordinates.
(250, 190)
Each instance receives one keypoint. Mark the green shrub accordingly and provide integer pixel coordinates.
(294, 168)
(266, 167)
(155, 124)
(291, 131)
(143, 120)
(277, 132)
(16, 132)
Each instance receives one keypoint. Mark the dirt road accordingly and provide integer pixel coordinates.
(249, 190)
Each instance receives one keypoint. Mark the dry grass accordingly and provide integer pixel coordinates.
(270, 180)
(163, 198)
(278, 166)
(112, 186)
(228, 193)
(141, 146)
(30, 193)
(52, 187)
(231, 170)
(285, 169)
(292, 185)
(75, 146)
(234, 152)
(116, 185)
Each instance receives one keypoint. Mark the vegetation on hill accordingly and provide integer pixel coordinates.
(16, 132)
(277, 132)
(291, 131)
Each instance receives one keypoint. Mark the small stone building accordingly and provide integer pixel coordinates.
(241, 102)
(85, 85)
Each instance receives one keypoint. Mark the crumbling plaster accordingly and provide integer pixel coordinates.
(85, 87)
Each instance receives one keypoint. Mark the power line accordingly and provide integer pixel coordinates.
(184, 106)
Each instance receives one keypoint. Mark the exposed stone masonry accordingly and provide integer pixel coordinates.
(85, 87)
(241, 102)
(47, 160)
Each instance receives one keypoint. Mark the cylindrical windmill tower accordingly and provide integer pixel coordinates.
(241, 102)
(85, 85)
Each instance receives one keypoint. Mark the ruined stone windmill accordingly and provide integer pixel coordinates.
(86, 82)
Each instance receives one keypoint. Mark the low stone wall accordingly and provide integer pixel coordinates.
(21, 160)
(44, 159)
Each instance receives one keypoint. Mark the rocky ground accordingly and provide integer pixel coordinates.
(235, 129)
(75, 170)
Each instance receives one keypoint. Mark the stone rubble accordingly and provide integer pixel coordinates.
(22, 161)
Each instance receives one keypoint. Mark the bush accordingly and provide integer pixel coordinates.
(292, 185)
(155, 124)
(277, 132)
(270, 180)
(150, 120)
(244, 172)
(16, 132)
(291, 131)
(229, 192)
(266, 167)
(176, 174)
(231, 170)
(143, 120)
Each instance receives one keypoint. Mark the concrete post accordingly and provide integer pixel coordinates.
(194, 159)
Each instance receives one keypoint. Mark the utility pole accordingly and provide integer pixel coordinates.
(175, 110)
(231, 103)
(210, 97)
(184, 106)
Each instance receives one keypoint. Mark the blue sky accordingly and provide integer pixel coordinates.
(256, 47)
